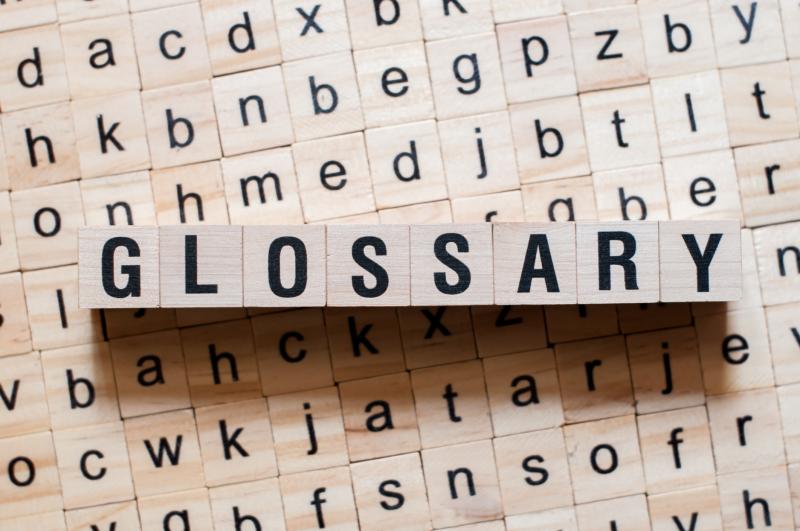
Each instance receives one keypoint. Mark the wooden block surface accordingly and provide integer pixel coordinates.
(25, 407)
(778, 258)
(684, 505)
(30, 476)
(43, 76)
(319, 499)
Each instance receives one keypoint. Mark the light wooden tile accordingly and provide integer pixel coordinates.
(441, 20)
(466, 74)
(164, 452)
(125, 199)
(52, 520)
(492, 208)
(561, 200)
(254, 503)
(15, 334)
(394, 83)
(23, 395)
(563, 519)
(124, 515)
(4, 182)
(778, 263)
(636, 193)
(594, 321)
(434, 336)
(197, 266)
(147, 5)
(768, 182)
(383, 23)
(634, 318)
(756, 498)
(604, 459)
(451, 404)
(422, 213)
(549, 139)
(747, 33)
(30, 476)
(391, 492)
(595, 379)
(630, 511)
(507, 329)
(358, 275)
(189, 508)
(379, 417)
(789, 398)
(319, 499)
(794, 477)
(93, 465)
(784, 340)
(311, 29)
(19, 15)
(190, 194)
(462, 484)
(699, 505)
(789, 10)
(72, 10)
(519, 9)
(323, 94)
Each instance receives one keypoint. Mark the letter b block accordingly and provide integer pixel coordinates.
(118, 267)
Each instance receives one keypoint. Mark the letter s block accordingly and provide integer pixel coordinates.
(118, 267)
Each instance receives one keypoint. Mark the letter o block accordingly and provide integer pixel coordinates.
(118, 267)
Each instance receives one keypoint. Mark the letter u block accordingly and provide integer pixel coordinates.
(118, 267)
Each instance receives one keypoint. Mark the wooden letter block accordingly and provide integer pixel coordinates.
(320, 499)
(782, 322)
(462, 484)
(534, 263)
(644, 317)
(698, 505)
(560, 200)
(593, 321)
(32, 70)
(192, 195)
(747, 35)
(29, 476)
(15, 334)
(190, 508)
(768, 181)
(73, 10)
(368, 265)
(122, 515)
(434, 336)
(759, 498)
(382, 24)
(201, 267)
(505, 329)
(125, 199)
(440, 20)
(604, 459)
(778, 255)
(25, 407)
(308, 30)
(617, 262)
(502, 207)
(19, 15)
(636, 193)
(690, 272)
(451, 264)
(257, 502)
(629, 512)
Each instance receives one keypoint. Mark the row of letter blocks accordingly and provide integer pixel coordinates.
(401, 265)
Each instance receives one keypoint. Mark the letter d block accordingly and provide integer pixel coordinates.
(700, 260)
(118, 267)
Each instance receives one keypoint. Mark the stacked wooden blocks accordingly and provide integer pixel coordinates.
(398, 112)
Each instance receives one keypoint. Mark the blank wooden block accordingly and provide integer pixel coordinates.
(784, 340)
(594, 321)
(379, 417)
(93, 465)
(501, 207)
(171, 46)
(778, 263)
(100, 56)
(441, 21)
(190, 194)
(80, 386)
(789, 398)
(254, 502)
(789, 10)
(607, 47)
(533, 471)
(292, 351)
(221, 363)
(534, 263)
(15, 334)
(190, 508)
(747, 497)
(549, 140)
(122, 515)
(523, 392)
(241, 35)
(368, 265)
(18, 15)
(466, 74)
(333, 177)
(623, 271)
(690, 113)
(40, 61)
(462, 484)
(391, 492)
(604, 459)
(636, 193)
(252, 111)
(319, 499)
(665, 370)
(747, 35)
(464, 250)
(628, 512)
(677, 37)
(40, 146)
(760, 103)
(746, 430)
(364, 342)
(323, 94)
(561, 200)
(507, 329)
(236, 442)
(768, 182)
(594, 378)
(635, 318)
(422, 213)
(451, 404)
(164, 453)
(702, 186)
(72, 10)
(51, 520)
(620, 128)
(125, 199)
(201, 267)
(29, 476)
(699, 505)
(25, 403)
(434, 336)
(381, 24)
(147, 5)
(181, 124)
(563, 519)
(734, 351)
(308, 431)
(150, 373)
(118, 267)
(519, 9)
(55, 319)
(393, 80)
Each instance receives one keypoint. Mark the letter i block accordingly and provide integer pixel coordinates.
(118, 267)
(700, 261)
(201, 266)
(617, 262)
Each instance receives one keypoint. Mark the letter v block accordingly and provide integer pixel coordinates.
(700, 261)
(118, 267)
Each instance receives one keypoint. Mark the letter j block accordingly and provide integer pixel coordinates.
(118, 267)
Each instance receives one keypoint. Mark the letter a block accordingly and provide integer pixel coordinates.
(700, 261)
(118, 267)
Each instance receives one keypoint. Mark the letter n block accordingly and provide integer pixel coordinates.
(118, 267)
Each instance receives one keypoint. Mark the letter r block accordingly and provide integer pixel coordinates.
(700, 261)
(118, 267)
